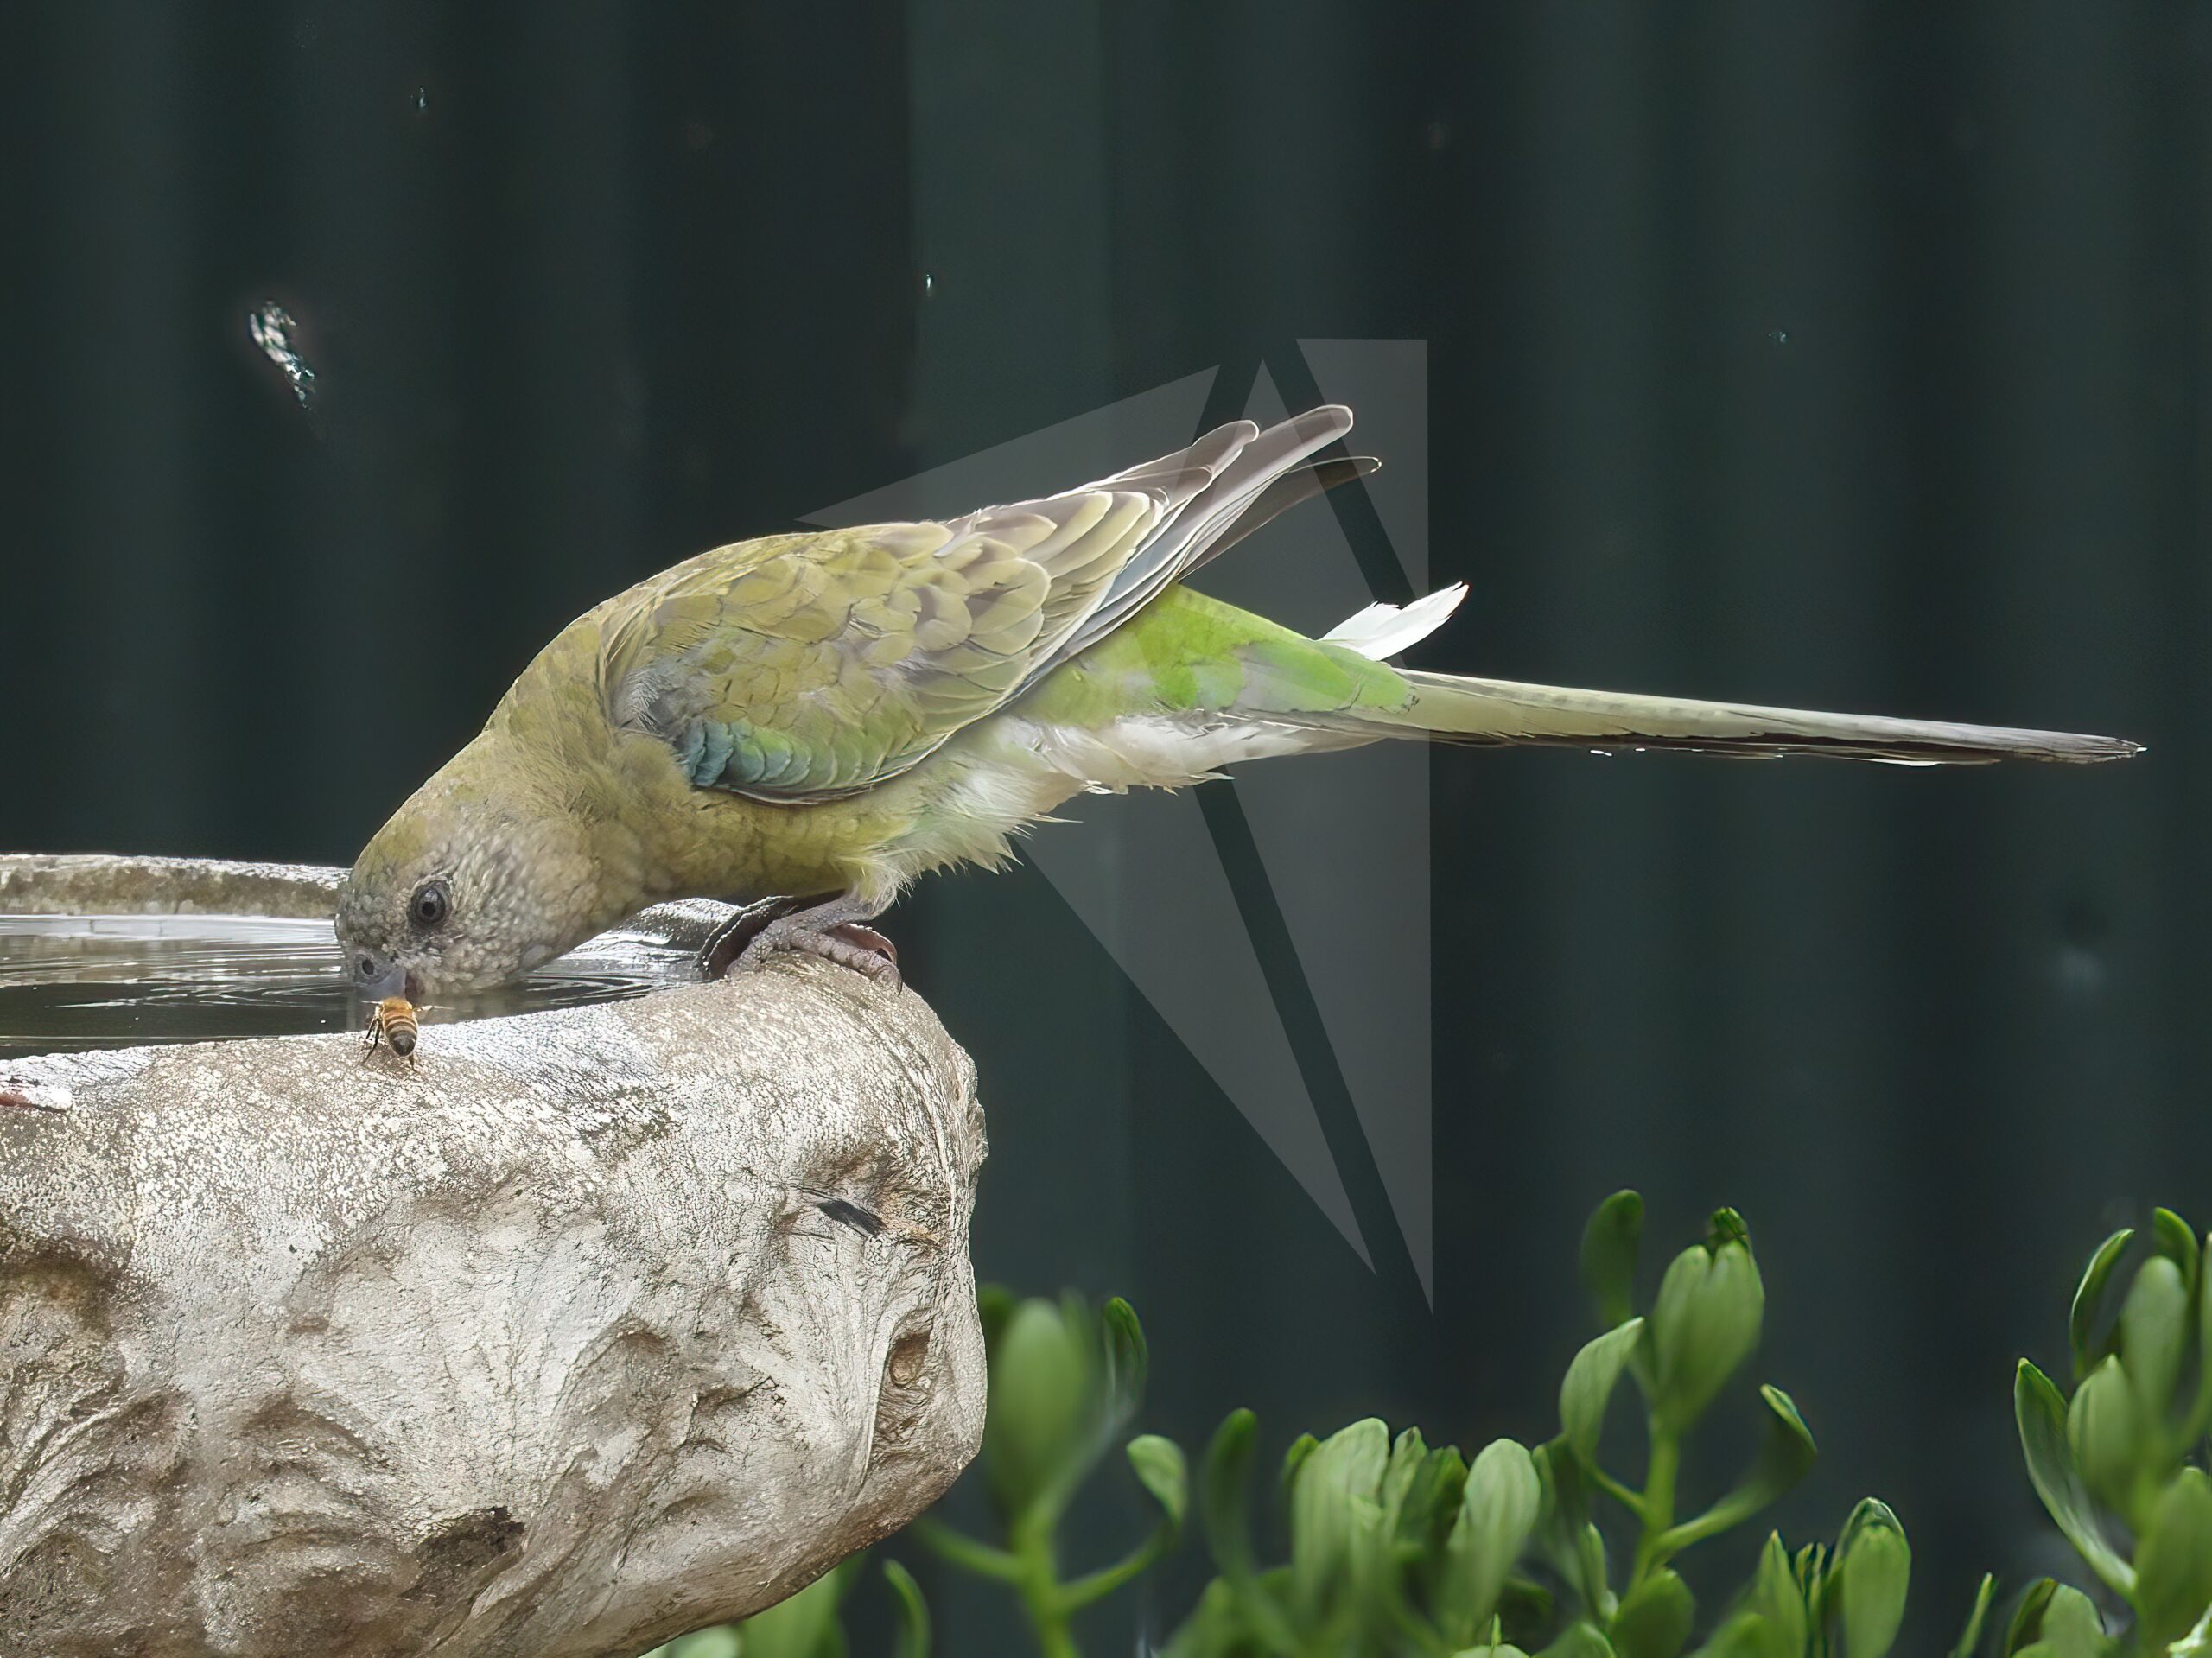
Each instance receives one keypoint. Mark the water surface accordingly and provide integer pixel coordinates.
(109, 981)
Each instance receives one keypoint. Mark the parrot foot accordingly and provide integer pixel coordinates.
(828, 928)
(849, 944)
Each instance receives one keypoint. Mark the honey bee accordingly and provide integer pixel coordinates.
(393, 1021)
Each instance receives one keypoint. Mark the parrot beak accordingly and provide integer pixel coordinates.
(381, 978)
(392, 982)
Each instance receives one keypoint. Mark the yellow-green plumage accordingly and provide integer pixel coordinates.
(838, 712)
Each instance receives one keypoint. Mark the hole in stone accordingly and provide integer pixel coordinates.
(908, 1354)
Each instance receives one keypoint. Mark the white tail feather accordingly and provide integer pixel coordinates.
(1380, 631)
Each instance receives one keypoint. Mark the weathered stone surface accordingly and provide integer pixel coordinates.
(546, 1345)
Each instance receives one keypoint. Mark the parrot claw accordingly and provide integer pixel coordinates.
(744, 943)
(864, 949)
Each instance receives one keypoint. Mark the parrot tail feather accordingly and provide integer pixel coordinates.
(1380, 631)
(1454, 708)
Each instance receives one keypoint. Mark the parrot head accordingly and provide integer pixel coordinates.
(465, 888)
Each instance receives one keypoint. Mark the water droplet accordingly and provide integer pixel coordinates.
(929, 285)
(275, 331)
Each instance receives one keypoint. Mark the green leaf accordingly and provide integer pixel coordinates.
(1160, 1469)
(1126, 1365)
(1609, 1244)
(1786, 1455)
(721, 1642)
(1225, 1494)
(914, 1641)
(2173, 1561)
(1038, 1424)
(1370, 1572)
(2200, 1417)
(1748, 1635)
(1578, 1641)
(1598, 1596)
(1409, 1459)
(2070, 1627)
(1566, 1499)
(2102, 1432)
(1218, 1626)
(1811, 1569)
(2172, 1237)
(1778, 1602)
(1705, 1323)
(1568, 1542)
(1655, 1620)
(2089, 1297)
(1588, 1387)
(2153, 1336)
(1970, 1638)
(2197, 1643)
(1874, 1567)
(1293, 1459)
(2026, 1626)
(1345, 1466)
(2042, 1417)
(1428, 1507)
(804, 1626)
(1769, 1618)
(1159, 1466)
(1497, 1511)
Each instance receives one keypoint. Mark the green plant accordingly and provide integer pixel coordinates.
(1397, 1549)
(2117, 1463)
(1065, 1381)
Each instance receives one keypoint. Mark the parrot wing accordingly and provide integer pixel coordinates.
(805, 667)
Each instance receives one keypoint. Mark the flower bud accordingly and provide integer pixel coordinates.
(1706, 1322)
(1875, 1564)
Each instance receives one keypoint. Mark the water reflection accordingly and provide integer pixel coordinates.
(105, 981)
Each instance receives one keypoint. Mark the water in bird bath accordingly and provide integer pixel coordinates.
(117, 980)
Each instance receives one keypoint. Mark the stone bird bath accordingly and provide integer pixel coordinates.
(594, 1326)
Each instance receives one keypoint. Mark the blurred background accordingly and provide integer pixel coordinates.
(1838, 354)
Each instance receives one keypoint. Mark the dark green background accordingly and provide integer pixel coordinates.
(1840, 354)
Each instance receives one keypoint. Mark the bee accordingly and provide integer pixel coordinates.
(393, 1021)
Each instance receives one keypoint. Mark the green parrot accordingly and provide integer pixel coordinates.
(820, 718)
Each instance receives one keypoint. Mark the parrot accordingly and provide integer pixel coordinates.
(807, 723)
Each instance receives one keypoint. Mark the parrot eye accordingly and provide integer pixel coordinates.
(429, 907)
